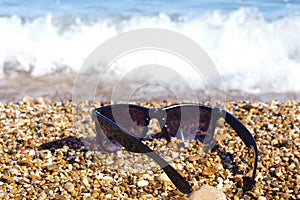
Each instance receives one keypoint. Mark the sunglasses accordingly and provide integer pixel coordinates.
(126, 125)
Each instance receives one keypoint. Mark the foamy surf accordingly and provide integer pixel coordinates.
(254, 54)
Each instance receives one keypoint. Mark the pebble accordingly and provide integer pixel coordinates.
(220, 180)
(164, 177)
(59, 197)
(31, 152)
(219, 166)
(85, 181)
(207, 192)
(69, 187)
(208, 171)
(261, 198)
(14, 171)
(175, 155)
(142, 183)
(194, 158)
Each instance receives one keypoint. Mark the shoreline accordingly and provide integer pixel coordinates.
(58, 87)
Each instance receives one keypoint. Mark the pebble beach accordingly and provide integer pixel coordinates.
(59, 60)
(79, 169)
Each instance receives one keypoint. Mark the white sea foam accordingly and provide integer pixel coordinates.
(251, 53)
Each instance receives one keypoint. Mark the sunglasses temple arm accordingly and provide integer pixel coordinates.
(174, 176)
(247, 138)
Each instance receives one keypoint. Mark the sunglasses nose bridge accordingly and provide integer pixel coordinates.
(158, 114)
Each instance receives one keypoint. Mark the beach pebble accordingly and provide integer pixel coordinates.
(26, 99)
(60, 197)
(175, 154)
(69, 186)
(14, 171)
(261, 198)
(142, 183)
(38, 100)
(219, 166)
(194, 158)
(207, 192)
(31, 152)
(85, 181)
(163, 177)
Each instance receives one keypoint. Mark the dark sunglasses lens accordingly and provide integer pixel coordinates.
(188, 122)
(131, 118)
(103, 136)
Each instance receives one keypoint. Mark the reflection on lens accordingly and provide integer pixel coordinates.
(188, 122)
(130, 118)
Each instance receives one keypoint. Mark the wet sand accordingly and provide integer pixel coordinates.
(58, 87)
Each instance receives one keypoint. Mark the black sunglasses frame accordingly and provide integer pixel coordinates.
(133, 144)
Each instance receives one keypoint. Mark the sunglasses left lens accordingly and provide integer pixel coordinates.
(103, 136)
(129, 117)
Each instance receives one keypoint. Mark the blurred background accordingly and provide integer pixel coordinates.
(254, 44)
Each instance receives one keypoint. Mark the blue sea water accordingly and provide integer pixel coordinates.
(253, 42)
(105, 8)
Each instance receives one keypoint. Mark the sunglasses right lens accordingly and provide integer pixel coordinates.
(188, 122)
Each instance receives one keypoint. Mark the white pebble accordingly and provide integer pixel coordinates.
(220, 186)
(146, 176)
(31, 152)
(14, 171)
(163, 177)
(175, 154)
(85, 181)
(220, 180)
(142, 183)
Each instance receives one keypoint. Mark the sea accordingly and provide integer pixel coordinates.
(254, 44)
